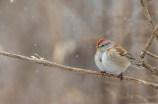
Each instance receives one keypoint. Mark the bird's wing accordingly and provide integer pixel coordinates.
(121, 51)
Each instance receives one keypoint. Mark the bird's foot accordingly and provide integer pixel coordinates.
(103, 72)
(121, 76)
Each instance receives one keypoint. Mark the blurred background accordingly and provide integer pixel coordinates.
(67, 32)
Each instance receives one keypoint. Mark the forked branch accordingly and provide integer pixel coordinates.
(147, 45)
(150, 40)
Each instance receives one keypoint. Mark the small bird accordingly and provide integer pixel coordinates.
(112, 58)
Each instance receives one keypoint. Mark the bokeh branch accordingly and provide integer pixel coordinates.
(78, 70)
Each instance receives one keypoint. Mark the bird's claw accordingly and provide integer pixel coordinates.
(103, 72)
(121, 76)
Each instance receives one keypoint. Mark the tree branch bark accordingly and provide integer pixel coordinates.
(142, 54)
(150, 40)
(151, 54)
(78, 70)
(147, 16)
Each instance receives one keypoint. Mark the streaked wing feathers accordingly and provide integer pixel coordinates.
(121, 51)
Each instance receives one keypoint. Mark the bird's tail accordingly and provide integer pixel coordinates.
(136, 66)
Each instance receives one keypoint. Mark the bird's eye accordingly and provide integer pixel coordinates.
(102, 46)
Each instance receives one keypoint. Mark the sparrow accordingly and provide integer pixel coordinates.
(112, 58)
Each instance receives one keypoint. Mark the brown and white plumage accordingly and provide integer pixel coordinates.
(112, 58)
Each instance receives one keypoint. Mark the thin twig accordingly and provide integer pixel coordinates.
(78, 70)
(142, 54)
(37, 56)
(154, 70)
(147, 16)
(138, 57)
(151, 54)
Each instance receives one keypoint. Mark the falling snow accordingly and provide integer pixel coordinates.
(25, 8)
(35, 45)
(11, 1)
(76, 56)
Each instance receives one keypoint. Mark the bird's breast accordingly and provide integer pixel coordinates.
(115, 63)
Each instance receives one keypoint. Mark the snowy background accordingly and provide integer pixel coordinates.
(67, 32)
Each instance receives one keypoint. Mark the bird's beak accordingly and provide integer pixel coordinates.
(97, 48)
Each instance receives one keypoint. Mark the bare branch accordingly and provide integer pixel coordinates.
(154, 34)
(142, 54)
(151, 54)
(78, 70)
(147, 16)
(154, 70)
